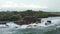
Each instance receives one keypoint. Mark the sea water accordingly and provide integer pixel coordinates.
(51, 29)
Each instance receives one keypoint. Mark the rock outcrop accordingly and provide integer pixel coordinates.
(27, 20)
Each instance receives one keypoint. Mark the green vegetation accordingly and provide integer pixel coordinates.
(16, 15)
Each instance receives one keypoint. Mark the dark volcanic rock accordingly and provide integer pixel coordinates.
(27, 20)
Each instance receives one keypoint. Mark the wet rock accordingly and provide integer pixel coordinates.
(27, 20)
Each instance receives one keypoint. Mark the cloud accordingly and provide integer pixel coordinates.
(10, 4)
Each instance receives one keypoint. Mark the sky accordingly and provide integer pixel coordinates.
(46, 5)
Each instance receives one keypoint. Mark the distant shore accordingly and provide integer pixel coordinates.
(15, 16)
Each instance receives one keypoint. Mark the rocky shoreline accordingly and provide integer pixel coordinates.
(28, 20)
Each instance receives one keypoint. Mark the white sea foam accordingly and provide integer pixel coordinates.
(12, 27)
(55, 24)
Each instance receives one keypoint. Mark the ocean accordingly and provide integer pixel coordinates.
(52, 29)
(28, 31)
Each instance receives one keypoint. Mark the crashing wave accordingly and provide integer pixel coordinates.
(55, 23)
